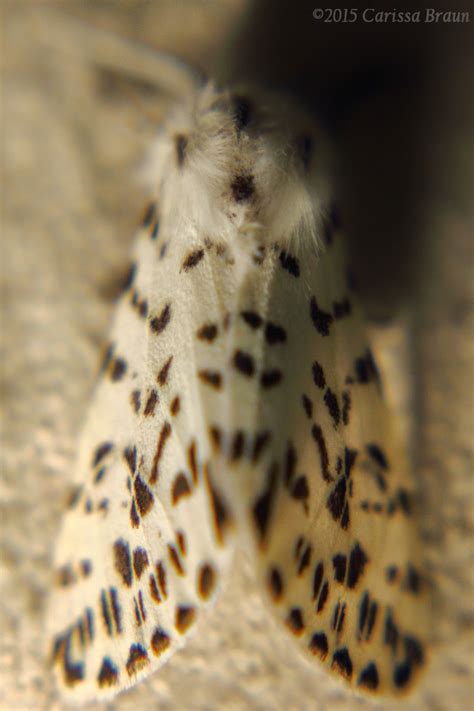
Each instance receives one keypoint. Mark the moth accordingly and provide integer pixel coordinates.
(239, 404)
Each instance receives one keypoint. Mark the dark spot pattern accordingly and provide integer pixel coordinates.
(307, 406)
(290, 264)
(192, 461)
(220, 512)
(270, 378)
(208, 332)
(160, 322)
(323, 596)
(181, 488)
(143, 497)
(154, 234)
(175, 559)
(149, 410)
(175, 406)
(252, 319)
(295, 620)
(339, 563)
(101, 451)
(365, 368)
(321, 319)
(165, 434)
(140, 561)
(341, 662)
(206, 580)
(181, 539)
(342, 309)
(123, 561)
(263, 506)
(118, 368)
(377, 455)
(330, 400)
(318, 437)
(193, 259)
(367, 616)
(262, 440)
(242, 188)
(149, 214)
(244, 363)
(130, 456)
(318, 375)
(108, 674)
(317, 579)
(337, 499)
(111, 611)
(211, 377)
(160, 641)
(319, 645)
(346, 406)
(274, 334)
(369, 677)
(337, 622)
(357, 562)
(305, 559)
(185, 617)
(275, 583)
(137, 659)
(135, 400)
(162, 377)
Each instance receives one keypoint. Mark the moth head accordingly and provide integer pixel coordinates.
(241, 164)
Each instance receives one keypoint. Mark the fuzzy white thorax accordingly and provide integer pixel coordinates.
(196, 196)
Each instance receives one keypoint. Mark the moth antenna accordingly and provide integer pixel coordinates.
(107, 50)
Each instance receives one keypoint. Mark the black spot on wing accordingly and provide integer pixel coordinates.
(290, 264)
(369, 677)
(101, 451)
(357, 562)
(108, 674)
(160, 322)
(137, 659)
(252, 319)
(377, 455)
(193, 259)
(244, 363)
(319, 645)
(341, 662)
(149, 214)
(123, 561)
(274, 334)
(318, 375)
(322, 320)
(262, 508)
(330, 400)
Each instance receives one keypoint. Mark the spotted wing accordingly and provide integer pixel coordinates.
(327, 493)
(146, 536)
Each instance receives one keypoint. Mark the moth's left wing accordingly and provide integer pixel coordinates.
(326, 490)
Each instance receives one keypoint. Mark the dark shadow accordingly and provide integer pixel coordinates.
(376, 87)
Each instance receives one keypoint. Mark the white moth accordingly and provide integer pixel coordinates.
(239, 403)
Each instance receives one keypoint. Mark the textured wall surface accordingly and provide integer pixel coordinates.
(397, 100)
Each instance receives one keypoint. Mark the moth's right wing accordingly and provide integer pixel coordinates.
(147, 535)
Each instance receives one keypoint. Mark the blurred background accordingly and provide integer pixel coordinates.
(397, 100)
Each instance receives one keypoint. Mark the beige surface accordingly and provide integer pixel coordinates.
(71, 141)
